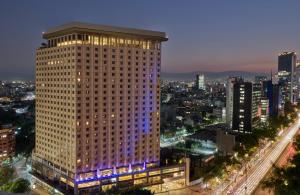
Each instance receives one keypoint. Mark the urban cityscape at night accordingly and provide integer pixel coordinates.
(149, 97)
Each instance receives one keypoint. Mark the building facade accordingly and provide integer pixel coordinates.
(271, 92)
(264, 109)
(7, 142)
(256, 97)
(229, 99)
(242, 107)
(200, 81)
(97, 104)
(297, 82)
(286, 75)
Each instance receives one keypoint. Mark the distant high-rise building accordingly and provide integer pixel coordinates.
(260, 78)
(271, 92)
(200, 82)
(98, 105)
(242, 107)
(229, 99)
(286, 75)
(264, 109)
(256, 97)
(297, 81)
(4, 90)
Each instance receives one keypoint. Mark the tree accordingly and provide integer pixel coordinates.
(114, 190)
(288, 107)
(6, 174)
(20, 186)
(189, 128)
(25, 139)
(7, 184)
(203, 113)
(297, 143)
(276, 182)
(137, 192)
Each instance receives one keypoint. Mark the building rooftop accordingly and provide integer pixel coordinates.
(79, 27)
(287, 53)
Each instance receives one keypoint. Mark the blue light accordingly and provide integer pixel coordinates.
(113, 176)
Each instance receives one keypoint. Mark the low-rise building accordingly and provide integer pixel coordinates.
(7, 141)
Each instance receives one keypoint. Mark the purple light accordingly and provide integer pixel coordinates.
(129, 169)
(113, 176)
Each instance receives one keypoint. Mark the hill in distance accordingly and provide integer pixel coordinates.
(191, 76)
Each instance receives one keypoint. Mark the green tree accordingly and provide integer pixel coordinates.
(20, 186)
(6, 174)
(189, 128)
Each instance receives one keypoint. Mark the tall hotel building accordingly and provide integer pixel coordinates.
(97, 104)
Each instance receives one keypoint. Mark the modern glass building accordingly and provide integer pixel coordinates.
(286, 75)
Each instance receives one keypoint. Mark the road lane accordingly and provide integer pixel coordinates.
(261, 169)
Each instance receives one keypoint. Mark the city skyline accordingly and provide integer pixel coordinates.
(149, 97)
(199, 38)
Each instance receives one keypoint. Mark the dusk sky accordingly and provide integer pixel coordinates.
(204, 35)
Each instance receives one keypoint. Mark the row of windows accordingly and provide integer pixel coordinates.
(86, 39)
(113, 68)
(96, 49)
(64, 53)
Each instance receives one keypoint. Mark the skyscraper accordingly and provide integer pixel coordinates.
(286, 75)
(97, 103)
(229, 99)
(271, 92)
(264, 109)
(242, 107)
(200, 82)
(297, 81)
(256, 97)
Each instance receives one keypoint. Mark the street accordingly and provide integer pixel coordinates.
(258, 172)
(22, 169)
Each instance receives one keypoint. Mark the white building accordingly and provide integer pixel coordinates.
(200, 82)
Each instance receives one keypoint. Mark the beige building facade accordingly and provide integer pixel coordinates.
(97, 103)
